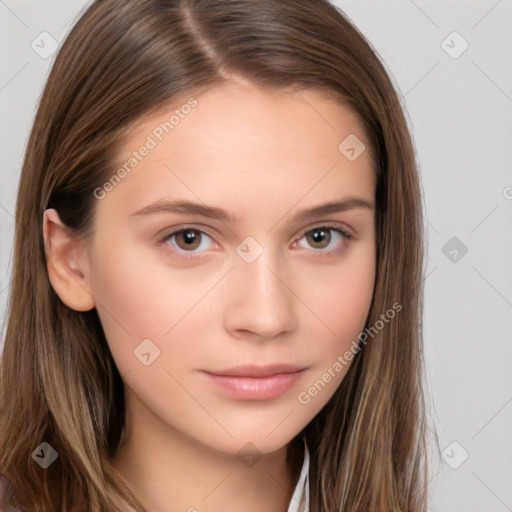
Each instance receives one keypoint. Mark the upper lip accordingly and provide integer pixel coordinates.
(250, 370)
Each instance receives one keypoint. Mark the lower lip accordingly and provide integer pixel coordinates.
(255, 388)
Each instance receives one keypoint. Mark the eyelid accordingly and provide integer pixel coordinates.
(335, 225)
(343, 227)
(166, 233)
(346, 234)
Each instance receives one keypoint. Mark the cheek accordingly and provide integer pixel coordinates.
(182, 311)
(341, 298)
(139, 297)
(346, 303)
(341, 294)
(138, 301)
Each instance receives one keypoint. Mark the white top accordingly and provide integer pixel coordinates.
(298, 503)
(300, 496)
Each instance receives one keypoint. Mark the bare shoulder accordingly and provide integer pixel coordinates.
(6, 500)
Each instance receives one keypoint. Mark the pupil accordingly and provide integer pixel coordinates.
(189, 236)
(318, 234)
(190, 239)
(319, 237)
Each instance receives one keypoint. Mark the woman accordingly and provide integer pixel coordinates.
(154, 377)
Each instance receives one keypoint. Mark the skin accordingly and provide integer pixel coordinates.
(262, 155)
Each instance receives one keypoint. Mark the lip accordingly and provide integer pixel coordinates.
(252, 370)
(250, 382)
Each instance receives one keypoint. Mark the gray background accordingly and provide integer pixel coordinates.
(459, 106)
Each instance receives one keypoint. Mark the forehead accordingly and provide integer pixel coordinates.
(215, 119)
(238, 142)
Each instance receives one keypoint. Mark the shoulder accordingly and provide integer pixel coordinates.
(6, 500)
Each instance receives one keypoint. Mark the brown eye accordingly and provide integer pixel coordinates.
(188, 240)
(319, 238)
(328, 240)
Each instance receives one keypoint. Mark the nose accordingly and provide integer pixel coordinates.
(259, 300)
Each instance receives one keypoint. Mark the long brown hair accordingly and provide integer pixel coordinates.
(59, 383)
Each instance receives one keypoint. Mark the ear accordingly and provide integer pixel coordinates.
(66, 261)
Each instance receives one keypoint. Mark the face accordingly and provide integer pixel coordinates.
(227, 310)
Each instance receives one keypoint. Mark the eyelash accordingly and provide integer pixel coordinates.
(335, 252)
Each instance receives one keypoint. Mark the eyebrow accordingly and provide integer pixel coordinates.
(203, 210)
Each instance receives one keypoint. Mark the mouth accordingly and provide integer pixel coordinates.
(250, 382)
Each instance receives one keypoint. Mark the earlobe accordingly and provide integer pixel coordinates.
(66, 263)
